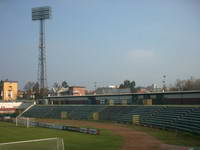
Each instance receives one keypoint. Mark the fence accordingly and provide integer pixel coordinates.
(30, 122)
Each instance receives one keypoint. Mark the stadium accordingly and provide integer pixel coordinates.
(125, 121)
(100, 42)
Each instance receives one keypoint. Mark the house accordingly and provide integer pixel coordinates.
(8, 90)
(77, 90)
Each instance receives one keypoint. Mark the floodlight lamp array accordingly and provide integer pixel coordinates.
(41, 13)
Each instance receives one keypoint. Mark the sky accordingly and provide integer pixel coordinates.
(102, 41)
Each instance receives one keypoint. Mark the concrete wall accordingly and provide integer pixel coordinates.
(10, 104)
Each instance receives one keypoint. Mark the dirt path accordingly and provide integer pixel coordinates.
(133, 140)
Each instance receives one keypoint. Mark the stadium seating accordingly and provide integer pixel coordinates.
(53, 111)
(190, 121)
(179, 118)
(165, 117)
(24, 105)
(84, 112)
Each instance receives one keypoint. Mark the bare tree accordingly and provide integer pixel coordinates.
(184, 85)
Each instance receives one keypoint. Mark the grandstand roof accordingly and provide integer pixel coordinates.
(130, 94)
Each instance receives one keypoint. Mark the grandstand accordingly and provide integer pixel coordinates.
(183, 118)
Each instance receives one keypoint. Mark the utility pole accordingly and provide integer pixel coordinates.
(164, 83)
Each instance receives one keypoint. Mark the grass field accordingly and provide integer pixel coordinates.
(73, 141)
(107, 140)
(166, 136)
(42, 144)
(170, 137)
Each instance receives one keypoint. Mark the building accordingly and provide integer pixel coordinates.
(70, 91)
(77, 90)
(62, 91)
(8, 90)
(112, 90)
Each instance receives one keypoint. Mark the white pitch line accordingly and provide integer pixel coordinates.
(36, 140)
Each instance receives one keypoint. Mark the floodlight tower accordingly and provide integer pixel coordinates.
(42, 13)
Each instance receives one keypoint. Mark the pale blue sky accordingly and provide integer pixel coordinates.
(106, 41)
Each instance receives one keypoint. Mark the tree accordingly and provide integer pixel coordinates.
(56, 88)
(32, 91)
(128, 84)
(64, 84)
(56, 85)
(36, 87)
(132, 86)
(36, 90)
(28, 85)
(184, 85)
(43, 92)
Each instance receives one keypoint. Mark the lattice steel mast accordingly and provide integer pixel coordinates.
(42, 13)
